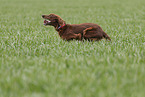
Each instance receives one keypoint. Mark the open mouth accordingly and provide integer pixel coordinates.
(46, 22)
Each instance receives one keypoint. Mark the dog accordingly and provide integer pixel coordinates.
(84, 31)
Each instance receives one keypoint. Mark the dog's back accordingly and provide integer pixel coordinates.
(79, 28)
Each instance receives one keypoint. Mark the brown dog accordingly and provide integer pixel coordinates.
(87, 31)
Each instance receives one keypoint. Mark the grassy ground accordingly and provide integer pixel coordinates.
(35, 62)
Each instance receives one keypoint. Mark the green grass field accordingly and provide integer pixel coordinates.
(36, 62)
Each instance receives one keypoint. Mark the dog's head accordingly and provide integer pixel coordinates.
(53, 20)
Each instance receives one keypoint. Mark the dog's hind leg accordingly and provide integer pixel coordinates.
(94, 34)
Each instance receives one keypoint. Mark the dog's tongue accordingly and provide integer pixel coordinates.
(45, 21)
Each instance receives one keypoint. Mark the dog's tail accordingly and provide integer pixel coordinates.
(106, 36)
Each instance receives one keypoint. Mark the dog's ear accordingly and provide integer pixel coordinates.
(61, 22)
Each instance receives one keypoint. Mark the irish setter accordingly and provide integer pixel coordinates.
(84, 31)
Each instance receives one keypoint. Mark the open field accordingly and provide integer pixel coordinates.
(36, 62)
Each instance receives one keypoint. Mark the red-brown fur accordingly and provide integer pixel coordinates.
(87, 31)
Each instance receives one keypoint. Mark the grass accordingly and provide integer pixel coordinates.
(36, 62)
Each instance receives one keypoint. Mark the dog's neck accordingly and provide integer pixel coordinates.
(59, 27)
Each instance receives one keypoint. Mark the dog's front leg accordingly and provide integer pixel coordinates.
(71, 36)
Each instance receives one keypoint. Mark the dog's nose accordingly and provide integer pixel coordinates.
(43, 16)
